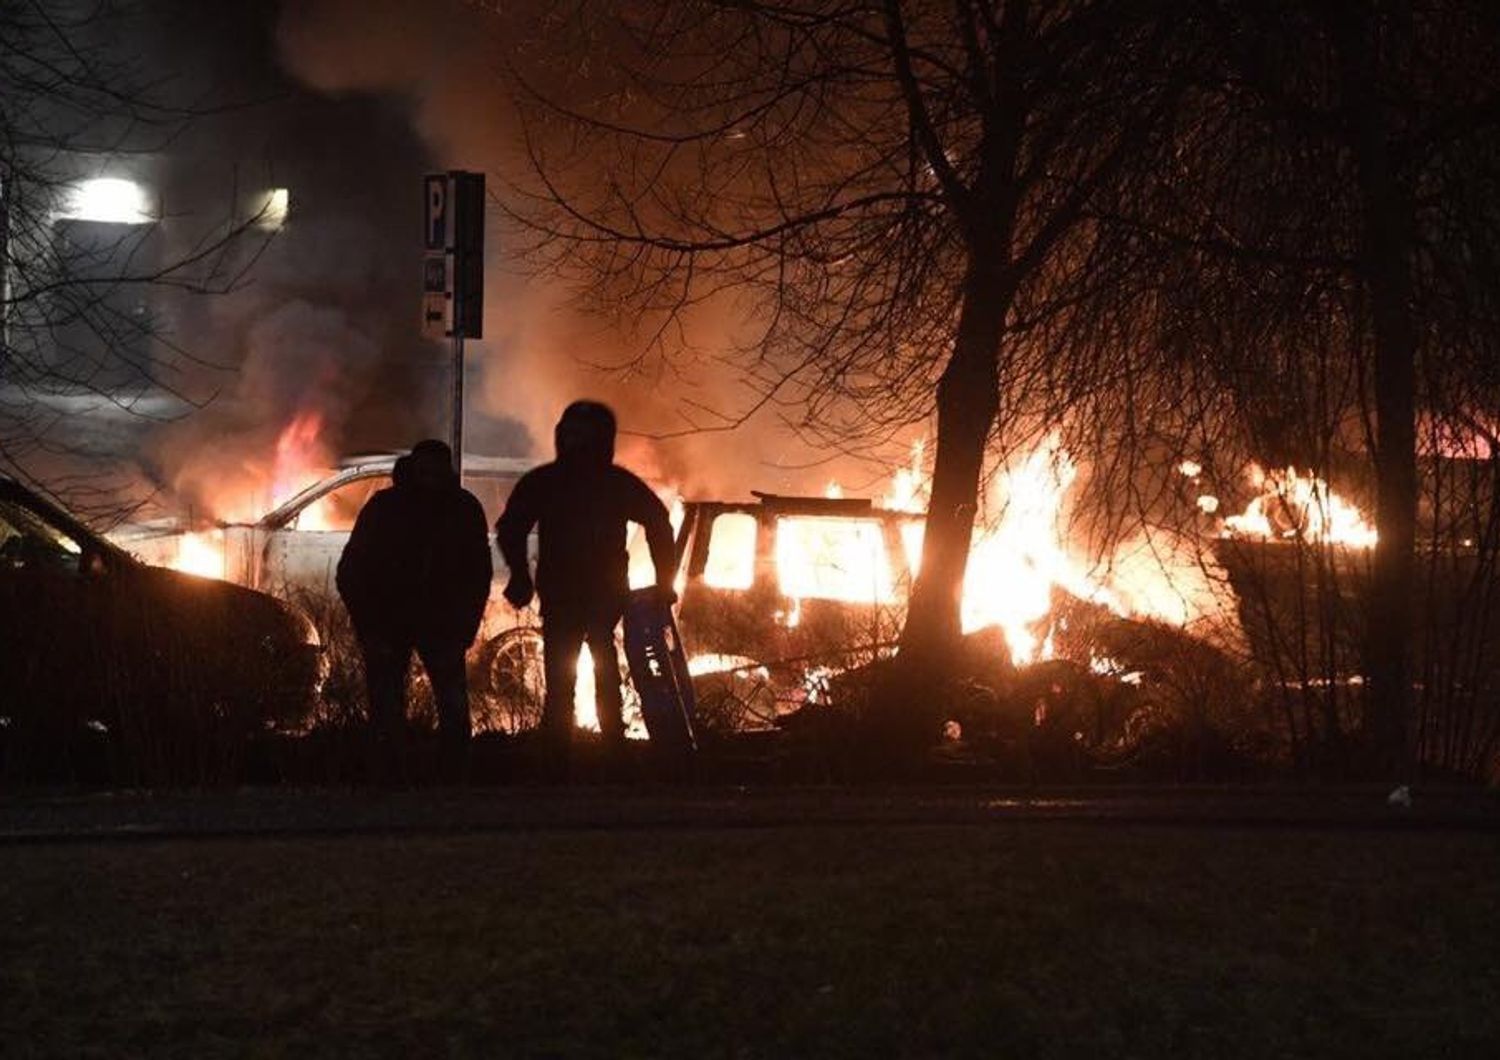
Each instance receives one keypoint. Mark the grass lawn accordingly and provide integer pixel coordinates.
(1008, 940)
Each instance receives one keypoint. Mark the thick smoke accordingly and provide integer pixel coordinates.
(543, 346)
(321, 316)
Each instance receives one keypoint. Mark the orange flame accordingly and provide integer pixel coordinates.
(298, 459)
(585, 706)
(1020, 557)
(201, 554)
(1297, 506)
(301, 460)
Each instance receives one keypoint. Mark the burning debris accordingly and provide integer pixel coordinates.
(1300, 506)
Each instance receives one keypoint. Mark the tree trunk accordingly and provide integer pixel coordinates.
(1386, 249)
(968, 401)
(1389, 615)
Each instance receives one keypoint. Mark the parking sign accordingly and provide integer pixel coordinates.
(437, 211)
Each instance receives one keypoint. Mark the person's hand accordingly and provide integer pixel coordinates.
(519, 591)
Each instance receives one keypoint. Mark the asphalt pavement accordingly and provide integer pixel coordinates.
(127, 816)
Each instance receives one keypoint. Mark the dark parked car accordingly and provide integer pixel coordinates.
(149, 674)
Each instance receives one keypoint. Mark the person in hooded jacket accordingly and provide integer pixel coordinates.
(415, 576)
(580, 505)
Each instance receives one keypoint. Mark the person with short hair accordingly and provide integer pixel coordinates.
(580, 504)
(415, 576)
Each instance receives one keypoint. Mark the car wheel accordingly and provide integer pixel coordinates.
(513, 682)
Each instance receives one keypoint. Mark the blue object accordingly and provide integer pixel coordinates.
(659, 670)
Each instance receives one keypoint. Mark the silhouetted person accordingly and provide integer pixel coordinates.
(415, 576)
(580, 504)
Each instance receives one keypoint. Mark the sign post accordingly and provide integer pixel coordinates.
(453, 275)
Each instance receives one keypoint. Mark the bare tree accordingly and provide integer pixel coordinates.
(1332, 212)
(910, 191)
(82, 247)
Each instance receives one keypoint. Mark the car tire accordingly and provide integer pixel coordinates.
(511, 682)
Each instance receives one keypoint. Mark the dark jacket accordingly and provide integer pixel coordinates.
(417, 566)
(580, 510)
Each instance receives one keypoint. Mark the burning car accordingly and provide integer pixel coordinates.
(296, 545)
(172, 671)
(780, 593)
(292, 552)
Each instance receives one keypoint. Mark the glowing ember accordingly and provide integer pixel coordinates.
(1104, 666)
(1297, 506)
(713, 663)
(815, 683)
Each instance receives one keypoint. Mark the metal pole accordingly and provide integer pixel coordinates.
(458, 400)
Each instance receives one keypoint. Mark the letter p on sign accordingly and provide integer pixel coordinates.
(437, 211)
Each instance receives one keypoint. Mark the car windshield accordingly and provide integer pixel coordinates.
(824, 558)
(28, 540)
(336, 510)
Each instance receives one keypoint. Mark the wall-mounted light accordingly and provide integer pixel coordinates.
(108, 200)
(272, 209)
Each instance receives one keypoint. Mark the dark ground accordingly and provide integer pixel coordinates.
(916, 922)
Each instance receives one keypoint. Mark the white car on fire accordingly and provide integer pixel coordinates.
(292, 552)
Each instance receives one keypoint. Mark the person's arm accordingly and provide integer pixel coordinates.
(511, 530)
(647, 509)
(359, 564)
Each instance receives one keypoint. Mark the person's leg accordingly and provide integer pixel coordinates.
(450, 689)
(562, 639)
(607, 697)
(385, 681)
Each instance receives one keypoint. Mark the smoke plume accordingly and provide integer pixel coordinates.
(544, 344)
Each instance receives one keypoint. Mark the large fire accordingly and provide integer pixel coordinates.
(1020, 556)
(299, 458)
(1300, 506)
(1023, 555)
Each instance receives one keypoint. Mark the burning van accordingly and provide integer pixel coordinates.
(781, 593)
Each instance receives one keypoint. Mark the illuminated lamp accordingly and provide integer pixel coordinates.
(270, 211)
(108, 200)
